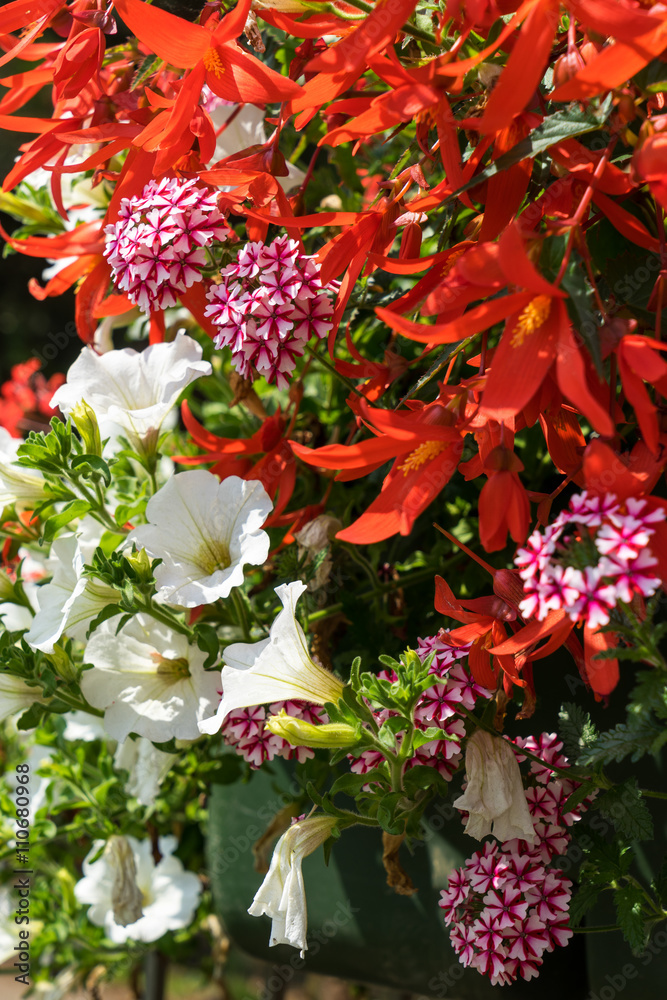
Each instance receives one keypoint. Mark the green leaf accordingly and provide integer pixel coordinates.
(351, 784)
(423, 736)
(71, 511)
(624, 806)
(632, 739)
(576, 729)
(557, 127)
(584, 899)
(208, 642)
(629, 900)
(92, 465)
(33, 716)
(579, 308)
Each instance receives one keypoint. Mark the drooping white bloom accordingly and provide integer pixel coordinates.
(18, 485)
(131, 389)
(494, 798)
(70, 602)
(205, 531)
(16, 695)
(169, 894)
(149, 680)
(147, 767)
(275, 669)
(282, 895)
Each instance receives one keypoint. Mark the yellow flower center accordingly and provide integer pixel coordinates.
(531, 318)
(171, 669)
(213, 62)
(425, 452)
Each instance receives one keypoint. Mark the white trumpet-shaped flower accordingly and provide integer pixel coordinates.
(275, 669)
(70, 602)
(149, 680)
(16, 695)
(282, 895)
(132, 389)
(22, 487)
(168, 894)
(494, 799)
(205, 531)
(147, 767)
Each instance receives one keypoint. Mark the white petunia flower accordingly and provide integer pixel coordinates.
(169, 894)
(70, 602)
(245, 129)
(16, 695)
(24, 488)
(149, 680)
(205, 531)
(494, 798)
(147, 767)
(275, 669)
(130, 389)
(282, 895)
(81, 725)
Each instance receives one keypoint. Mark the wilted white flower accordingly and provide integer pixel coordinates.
(494, 798)
(205, 531)
(149, 680)
(147, 767)
(282, 895)
(70, 602)
(24, 488)
(131, 389)
(275, 669)
(169, 894)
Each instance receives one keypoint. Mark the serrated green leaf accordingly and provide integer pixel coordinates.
(576, 729)
(625, 740)
(629, 900)
(584, 899)
(624, 806)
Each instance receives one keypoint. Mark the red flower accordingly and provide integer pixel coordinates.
(426, 447)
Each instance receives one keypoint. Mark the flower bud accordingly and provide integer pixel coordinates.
(140, 562)
(126, 898)
(62, 664)
(85, 421)
(300, 733)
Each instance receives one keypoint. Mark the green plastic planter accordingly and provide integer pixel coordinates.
(358, 928)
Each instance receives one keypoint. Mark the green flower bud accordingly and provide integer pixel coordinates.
(62, 664)
(85, 421)
(300, 733)
(140, 562)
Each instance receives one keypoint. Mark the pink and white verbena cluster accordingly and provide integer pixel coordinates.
(505, 906)
(617, 535)
(268, 305)
(244, 731)
(438, 706)
(157, 247)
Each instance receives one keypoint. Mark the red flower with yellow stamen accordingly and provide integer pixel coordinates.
(426, 447)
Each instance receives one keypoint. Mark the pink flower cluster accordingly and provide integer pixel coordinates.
(437, 707)
(268, 305)
(157, 247)
(244, 730)
(621, 561)
(506, 908)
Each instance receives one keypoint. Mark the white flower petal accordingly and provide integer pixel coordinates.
(275, 669)
(133, 389)
(205, 531)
